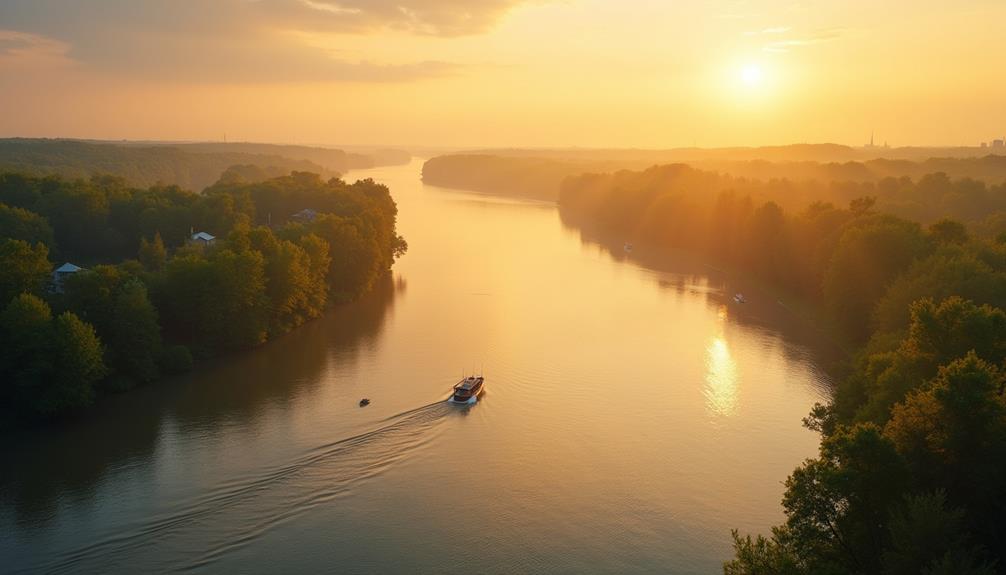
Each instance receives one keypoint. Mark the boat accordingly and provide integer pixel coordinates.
(364, 402)
(627, 247)
(739, 298)
(468, 389)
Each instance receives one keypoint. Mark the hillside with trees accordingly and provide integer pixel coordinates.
(148, 299)
(191, 166)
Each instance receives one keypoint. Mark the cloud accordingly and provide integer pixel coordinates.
(20, 48)
(819, 37)
(768, 31)
(236, 40)
(435, 17)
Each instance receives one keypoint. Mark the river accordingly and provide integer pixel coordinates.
(632, 417)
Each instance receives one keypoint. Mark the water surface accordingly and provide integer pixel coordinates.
(632, 418)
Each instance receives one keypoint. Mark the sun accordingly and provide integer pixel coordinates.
(752, 75)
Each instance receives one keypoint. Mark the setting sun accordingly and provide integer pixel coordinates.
(752, 75)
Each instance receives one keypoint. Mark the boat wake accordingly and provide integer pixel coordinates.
(235, 513)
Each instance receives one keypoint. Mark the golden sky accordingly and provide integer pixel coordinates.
(591, 73)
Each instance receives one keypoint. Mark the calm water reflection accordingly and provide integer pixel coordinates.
(633, 416)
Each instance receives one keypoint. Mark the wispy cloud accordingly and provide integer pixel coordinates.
(235, 40)
(23, 48)
(768, 31)
(788, 44)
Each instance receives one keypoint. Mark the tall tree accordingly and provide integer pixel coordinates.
(152, 254)
(26, 268)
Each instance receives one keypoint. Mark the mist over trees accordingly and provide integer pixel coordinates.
(912, 461)
(149, 298)
(965, 189)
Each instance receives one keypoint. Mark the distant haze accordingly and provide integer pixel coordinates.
(499, 73)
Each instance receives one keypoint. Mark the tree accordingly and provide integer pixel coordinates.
(870, 254)
(20, 224)
(836, 505)
(958, 422)
(152, 253)
(91, 295)
(928, 537)
(862, 206)
(937, 335)
(24, 343)
(49, 365)
(951, 271)
(77, 354)
(762, 556)
(947, 231)
(135, 339)
(26, 268)
(215, 302)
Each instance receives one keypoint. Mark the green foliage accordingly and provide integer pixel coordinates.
(940, 431)
(192, 166)
(24, 343)
(77, 354)
(836, 505)
(762, 556)
(175, 359)
(948, 231)
(217, 302)
(135, 338)
(50, 365)
(25, 268)
(152, 254)
(872, 252)
(938, 334)
(928, 537)
(254, 282)
(20, 224)
(952, 270)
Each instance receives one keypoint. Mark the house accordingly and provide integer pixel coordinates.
(61, 273)
(203, 239)
(305, 216)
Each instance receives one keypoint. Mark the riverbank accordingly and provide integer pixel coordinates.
(87, 332)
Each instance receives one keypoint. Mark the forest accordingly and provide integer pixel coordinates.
(191, 166)
(913, 445)
(797, 174)
(148, 298)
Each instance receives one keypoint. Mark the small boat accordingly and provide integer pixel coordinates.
(739, 298)
(364, 402)
(627, 247)
(468, 389)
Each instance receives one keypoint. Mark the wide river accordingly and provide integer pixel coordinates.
(633, 416)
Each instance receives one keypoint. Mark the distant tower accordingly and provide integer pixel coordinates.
(871, 138)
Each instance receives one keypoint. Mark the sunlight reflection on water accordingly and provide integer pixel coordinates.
(721, 375)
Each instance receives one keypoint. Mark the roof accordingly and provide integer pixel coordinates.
(203, 236)
(468, 383)
(68, 268)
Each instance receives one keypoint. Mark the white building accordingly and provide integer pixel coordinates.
(305, 216)
(203, 239)
(61, 273)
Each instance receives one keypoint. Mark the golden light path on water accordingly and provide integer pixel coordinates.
(722, 394)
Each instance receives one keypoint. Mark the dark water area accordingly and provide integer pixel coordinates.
(634, 414)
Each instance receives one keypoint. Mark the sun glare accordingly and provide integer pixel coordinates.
(751, 75)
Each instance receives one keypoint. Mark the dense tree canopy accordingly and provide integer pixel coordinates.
(122, 322)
